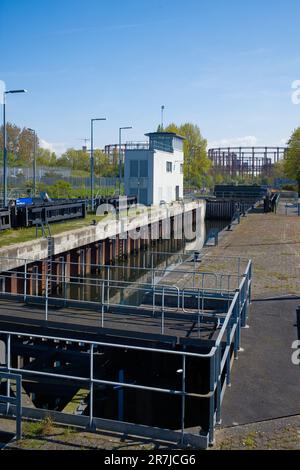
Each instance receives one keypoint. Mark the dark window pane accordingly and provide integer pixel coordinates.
(144, 168)
(134, 168)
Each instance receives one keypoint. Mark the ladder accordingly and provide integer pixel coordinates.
(50, 241)
(45, 229)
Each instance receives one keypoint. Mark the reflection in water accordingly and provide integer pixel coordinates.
(147, 268)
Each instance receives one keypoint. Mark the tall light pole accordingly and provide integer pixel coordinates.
(4, 144)
(92, 162)
(34, 161)
(162, 118)
(120, 155)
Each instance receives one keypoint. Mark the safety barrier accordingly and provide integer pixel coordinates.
(221, 350)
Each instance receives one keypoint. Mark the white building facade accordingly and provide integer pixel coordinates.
(155, 173)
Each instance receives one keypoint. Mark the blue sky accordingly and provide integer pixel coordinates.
(225, 65)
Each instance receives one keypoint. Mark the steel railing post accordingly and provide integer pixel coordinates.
(212, 399)
(228, 360)
(19, 408)
(219, 384)
(108, 286)
(64, 285)
(163, 312)
(25, 281)
(102, 303)
(46, 297)
(183, 401)
(8, 362)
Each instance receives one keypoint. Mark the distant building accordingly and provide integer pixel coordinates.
(154, 173)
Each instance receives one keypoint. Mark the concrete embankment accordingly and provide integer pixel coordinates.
(107, 229)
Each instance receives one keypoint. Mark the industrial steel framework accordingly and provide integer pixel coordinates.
(245, 161)
(233, 289)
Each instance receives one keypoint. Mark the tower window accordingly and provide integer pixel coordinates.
(169, 167)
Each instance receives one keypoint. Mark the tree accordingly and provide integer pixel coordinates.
(292, 161)
(75, 159)
(103, 166)
(20, 146)
(46, 158)
(61, 189)
(196, 162)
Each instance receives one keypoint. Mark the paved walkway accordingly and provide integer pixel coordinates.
(265, 383)
(272, 241)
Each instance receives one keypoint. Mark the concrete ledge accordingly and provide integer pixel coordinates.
(14, 256)
(134, 430)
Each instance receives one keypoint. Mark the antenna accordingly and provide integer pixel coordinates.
(85, 141)
(162, 117)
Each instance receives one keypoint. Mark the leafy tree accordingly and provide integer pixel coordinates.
(79, 160)
(46, 158)
(20, 147)
(61, 189)
(292, 161)
(196, 162)
(75, 159)
(103, 165)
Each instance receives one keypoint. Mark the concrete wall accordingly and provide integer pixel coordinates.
(164, 183)
(160, 185)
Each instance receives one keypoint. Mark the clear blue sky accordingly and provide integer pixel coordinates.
(225, 65)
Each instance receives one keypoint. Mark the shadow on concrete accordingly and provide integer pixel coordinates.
(273, 299)
(257, 210)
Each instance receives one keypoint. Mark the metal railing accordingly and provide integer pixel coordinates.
(219, 359)
(107, 295)
(9, 400)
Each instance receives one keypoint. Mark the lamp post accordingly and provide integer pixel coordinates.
(92, 162)
(120, 152)
(162, 118)
(4, 144)
(34, 161)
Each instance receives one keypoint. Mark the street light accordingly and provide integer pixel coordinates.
(92, 163)
(34, 161)
(4, 143)
(120, 151)
(162, 118)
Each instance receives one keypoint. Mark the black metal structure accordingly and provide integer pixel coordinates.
(47, 212)
(241, 192)
(4, 219)
(245, 161)
(115, 201)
